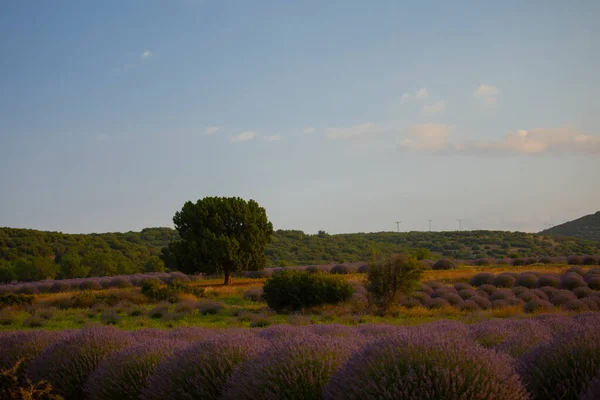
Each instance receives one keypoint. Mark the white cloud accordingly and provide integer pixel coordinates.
(272, 138)
(211, 130)
(308, 129)
(242, 137)
(486, 91)
(543, 140)
(435, 108)
(405, 97)
(422, 93)
(146, 54)
(490, 101)
(427, 137)
(353, 132)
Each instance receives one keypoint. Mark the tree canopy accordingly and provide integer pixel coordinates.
(220, 234)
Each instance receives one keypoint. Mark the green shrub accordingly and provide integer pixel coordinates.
(12, 299)
(155, 290)
(392, 278)
(293, 290)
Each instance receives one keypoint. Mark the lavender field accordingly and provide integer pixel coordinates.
(545, 357)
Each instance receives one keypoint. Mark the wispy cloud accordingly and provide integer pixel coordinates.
(242, 137)
(487, 93)
(434, 109)
(211, 130)
(353, 132)
(308, 130)
(146, 54)
(272, 138)
(427, 137)
(405, 97)
(437, 138)
(422, 93)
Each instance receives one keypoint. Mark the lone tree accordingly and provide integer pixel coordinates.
(220, 234)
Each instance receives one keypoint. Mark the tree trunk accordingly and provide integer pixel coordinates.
(227, 279)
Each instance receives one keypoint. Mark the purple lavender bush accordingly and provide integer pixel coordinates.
(124, 374)
(592, 392)
(412, 365)
(548, 280)
(67, 363)
(25, 345)
(294, 368)
(564, 367)
(200, 370)
(482, 278)
(504, 281)
(120, 282)
(527, 279)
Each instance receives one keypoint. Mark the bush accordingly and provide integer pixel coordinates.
(482, 278)
(482, 262)
(123, 374)
(453, 299)
(120, 282)
(527, 296)
(527, 279)
(293, 290)
(435, 285)
(200, 370)
(564, 367)
(67, 363)
(462, 286)
(27, 288)
(339, 269)
(437, 302)
(158, 311)
(392, 278)
(589, 260)
(574, 260)
(501, 294)
(594, 282)
(210, 307)
(548, 280)
(582, 292)
(467, 293)
(443, 264)
(296, 368)
(575, 305)
(12, 299)
(504, 281)
(487, 289)
(469, 305)
(425, 366)
(254, 294)
(571, 281)
(110, 317)
(258, 274)
(517, 290)
(90, 284)
(59, 287)
(538, 305)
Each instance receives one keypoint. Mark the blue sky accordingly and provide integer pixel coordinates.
(342, 116)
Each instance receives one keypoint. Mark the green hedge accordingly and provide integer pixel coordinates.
(293, 290)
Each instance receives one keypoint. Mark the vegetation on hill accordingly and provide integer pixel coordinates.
(587, 227)
(28, 252)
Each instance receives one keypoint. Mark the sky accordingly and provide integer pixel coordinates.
(336, 115)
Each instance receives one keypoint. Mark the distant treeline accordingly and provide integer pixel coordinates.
(29, 255)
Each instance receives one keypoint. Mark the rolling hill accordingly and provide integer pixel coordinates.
(587, 228)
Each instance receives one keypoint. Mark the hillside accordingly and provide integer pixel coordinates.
(587, 227)
(129, 252)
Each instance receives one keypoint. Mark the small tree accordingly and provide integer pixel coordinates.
(391, 278)
(220, 234)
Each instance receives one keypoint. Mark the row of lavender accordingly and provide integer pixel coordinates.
(549, 357)
(107, 282)
(575, 290)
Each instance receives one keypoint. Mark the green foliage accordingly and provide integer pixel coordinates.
(12, 299)
(587, 227)
(221, 234)
(154, 264)
(7, 272)
(71, 267)
(293, 290)
(155, 290)
(392, 278)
